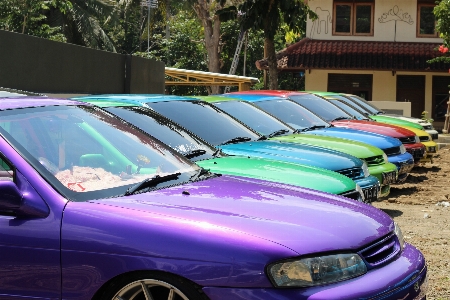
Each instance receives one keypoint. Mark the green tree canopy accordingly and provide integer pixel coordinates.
(270, 16)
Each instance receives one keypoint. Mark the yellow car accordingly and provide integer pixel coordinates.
(425, 138)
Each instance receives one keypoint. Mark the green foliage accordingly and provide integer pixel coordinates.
(184, 50)
(121, 26)
(270, 15)
(30, 17)
(424, 116)
(441, 12)
(442, 15)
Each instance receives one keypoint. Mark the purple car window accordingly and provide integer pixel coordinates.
(85, 150)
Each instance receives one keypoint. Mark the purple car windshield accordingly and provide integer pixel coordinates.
(87, 153)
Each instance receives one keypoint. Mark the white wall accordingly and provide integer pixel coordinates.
(393, 21)
(384, 88)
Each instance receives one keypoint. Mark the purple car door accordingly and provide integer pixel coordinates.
(29, 244)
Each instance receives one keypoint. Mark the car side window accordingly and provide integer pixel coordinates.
(6, 171)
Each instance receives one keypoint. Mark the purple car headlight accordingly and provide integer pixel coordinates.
(320, 270)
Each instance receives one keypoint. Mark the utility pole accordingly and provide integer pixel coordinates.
(149, 4)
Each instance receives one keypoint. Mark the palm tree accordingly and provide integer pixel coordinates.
(82, 21)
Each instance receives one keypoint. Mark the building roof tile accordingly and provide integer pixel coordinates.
(358, 55)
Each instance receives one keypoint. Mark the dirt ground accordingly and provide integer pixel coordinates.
(421, 206)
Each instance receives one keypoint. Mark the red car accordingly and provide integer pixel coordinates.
(338, 118)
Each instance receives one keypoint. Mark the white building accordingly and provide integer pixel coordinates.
(377, 49)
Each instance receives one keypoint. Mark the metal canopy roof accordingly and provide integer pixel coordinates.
(190, 77)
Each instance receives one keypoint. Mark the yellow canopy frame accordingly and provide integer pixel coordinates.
(190, 77)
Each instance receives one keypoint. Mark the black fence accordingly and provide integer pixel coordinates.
(43, 66)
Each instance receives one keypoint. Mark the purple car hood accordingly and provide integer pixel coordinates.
(302, 220)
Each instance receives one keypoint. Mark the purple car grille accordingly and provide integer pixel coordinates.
(353, 173)
(408, 140)
(374, 160)
(392, 151)
(381, 252)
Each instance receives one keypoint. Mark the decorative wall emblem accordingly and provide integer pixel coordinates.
(323, 19)
(396, 14)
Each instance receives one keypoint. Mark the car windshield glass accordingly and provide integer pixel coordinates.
(205, 120)
(291, 113)
(321, 107)
(354, 104)
(367, 105)
(254, 117)
(166, 131)
(87, 153)
(350, 110)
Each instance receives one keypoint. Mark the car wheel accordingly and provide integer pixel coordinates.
(152, 286)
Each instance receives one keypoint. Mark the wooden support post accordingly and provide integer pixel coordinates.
(447, 115)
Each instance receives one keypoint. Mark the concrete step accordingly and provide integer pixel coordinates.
(443, 140)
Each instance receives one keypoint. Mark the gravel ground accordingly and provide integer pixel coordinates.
(421, 206)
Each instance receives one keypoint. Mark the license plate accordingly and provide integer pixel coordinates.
(389, 177)
(405, 168)
(371, 194)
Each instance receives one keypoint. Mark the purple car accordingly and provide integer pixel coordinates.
(94, 208)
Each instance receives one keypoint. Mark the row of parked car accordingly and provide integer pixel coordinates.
(246, 195)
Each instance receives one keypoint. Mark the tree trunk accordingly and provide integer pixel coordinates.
(272, 62)
(212, 38)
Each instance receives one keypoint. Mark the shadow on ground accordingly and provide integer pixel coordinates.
(396, 192)
(415, 178)
(423, 169)
(392, 212)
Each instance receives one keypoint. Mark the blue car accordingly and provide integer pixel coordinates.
(305, 121)
(234, 138)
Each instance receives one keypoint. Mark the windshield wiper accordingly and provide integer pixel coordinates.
(199, 173)
(311, 128)
(340, 118)
(278, 132)
(151, 182)
(238, 139)
(217, 153)
(194, 153)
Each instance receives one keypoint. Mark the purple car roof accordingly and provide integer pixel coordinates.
(21, 102)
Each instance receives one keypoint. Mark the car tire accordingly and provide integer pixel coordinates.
(160, 285)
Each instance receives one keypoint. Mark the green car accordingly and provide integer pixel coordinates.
(374, 157)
